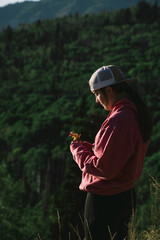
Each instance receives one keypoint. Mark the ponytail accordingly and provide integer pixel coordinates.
(144, 118)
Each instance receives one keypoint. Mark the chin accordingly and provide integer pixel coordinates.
(107, 108)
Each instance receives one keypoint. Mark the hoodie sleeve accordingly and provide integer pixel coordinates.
(85, 158)
(114, 145)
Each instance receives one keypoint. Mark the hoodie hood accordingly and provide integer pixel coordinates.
(124, 103)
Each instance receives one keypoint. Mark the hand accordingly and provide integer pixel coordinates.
(76, 141)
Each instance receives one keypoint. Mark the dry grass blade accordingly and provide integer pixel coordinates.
(111, 237)
(132, 227)
(59, 225)
(76, 231)
(155, 184)
(88, 230)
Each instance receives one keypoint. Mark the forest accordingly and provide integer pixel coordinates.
(44, 94)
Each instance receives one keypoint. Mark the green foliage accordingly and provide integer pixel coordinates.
(44, 94)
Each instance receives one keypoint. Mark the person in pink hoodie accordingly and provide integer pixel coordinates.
(114, 162)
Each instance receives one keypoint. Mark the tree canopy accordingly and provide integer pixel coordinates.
(44, 94)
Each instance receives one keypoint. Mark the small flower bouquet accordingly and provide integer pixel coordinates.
(75, 136)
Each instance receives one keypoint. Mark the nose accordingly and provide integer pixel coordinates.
(97, 101)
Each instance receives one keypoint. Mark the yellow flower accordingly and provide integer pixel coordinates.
(75, 136)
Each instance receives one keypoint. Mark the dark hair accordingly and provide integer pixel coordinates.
(144, 118)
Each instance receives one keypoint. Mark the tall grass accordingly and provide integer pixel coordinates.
(151, 233)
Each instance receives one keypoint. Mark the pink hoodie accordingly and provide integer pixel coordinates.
(116, 161)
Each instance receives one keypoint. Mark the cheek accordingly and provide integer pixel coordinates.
(104, 100)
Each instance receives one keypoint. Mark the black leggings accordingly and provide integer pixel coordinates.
(108, 212)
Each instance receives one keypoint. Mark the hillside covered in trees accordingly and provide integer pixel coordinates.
(28, 11)
(44, 94)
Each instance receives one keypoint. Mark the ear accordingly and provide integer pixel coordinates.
(109, 90)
